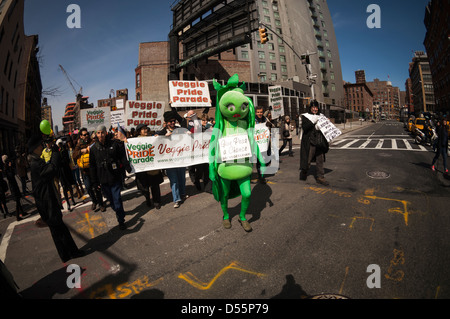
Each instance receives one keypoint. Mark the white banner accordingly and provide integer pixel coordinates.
(92, 118)
(189, 93)
(276, 101)
(328, 129)
(262, 136)
(160, 152)
(149, 113)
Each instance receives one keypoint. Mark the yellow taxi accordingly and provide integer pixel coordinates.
(419, 123)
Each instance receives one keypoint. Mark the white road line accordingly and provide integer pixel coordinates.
(350, 144)
(394, 144)
(408, 146)
(380, 144)
(365, 144)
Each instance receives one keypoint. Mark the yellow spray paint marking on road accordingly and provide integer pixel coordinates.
(197, 283)
(362, 217)
(124, 290)
(91, 224)
(397, 260)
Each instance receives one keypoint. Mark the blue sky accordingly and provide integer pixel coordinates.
(103, 53)
(380, 52)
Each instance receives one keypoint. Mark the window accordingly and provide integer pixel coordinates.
(262, 65)
(244, 54)
(273, 77)
(271, 46)
(282, 58)
(283, 68)
(261, 54)
(138, 80)
(281, 49)
(262, 76)
(273, 66)
(272, 56)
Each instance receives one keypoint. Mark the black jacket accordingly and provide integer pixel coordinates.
(105, 161)
(44, 190)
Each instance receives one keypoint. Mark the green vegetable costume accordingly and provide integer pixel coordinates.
(235, 115)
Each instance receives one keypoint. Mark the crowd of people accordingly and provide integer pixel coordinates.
(95, 163)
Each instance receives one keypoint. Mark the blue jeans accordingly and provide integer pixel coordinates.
(112, 193)
(177, 178)
(441, 151)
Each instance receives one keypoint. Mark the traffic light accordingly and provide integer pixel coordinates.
(305, 59)
(263, 35)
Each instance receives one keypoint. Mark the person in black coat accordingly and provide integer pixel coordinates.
(149, 179)
(441, 144)
(47, 199)
(13, 186)
(308, 152)
(105, 159)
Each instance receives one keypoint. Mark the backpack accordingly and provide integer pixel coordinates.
(83, 161)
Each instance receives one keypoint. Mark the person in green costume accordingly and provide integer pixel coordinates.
(235, 115)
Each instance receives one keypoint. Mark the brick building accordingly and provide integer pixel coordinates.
(20, 80)
(359, 97)
(437, 44)
(386, 98)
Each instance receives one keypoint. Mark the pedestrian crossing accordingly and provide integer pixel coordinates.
(384, 142)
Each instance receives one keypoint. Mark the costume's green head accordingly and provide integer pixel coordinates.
(232, 105)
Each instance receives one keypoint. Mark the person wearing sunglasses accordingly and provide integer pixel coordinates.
(82, 147)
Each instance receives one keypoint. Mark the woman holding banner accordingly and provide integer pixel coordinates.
(311, 150)
(177, 175)
(149, 179)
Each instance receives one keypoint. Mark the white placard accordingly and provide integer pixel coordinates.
(149, 113)
(262, 136)
(189, 93)
(328, 129)
(93, 117)
(276, 101)
(118, 117)
(234, 147)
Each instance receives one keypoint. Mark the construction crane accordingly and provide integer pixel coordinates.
(80, 92)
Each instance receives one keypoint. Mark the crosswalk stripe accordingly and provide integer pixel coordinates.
(350, 144)
(380, 144)
(394, 144)
(398, 144)
(408, 146)
(363, 145)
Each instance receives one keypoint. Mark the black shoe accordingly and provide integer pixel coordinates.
(157, 205)
(197, 185)
(94, 206)
(303, 176)
(103, 208)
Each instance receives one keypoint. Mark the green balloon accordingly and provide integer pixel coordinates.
(45, 127)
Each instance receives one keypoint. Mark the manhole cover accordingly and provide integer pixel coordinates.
(328, 296)
(378, 174)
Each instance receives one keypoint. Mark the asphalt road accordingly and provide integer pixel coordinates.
(383, 222)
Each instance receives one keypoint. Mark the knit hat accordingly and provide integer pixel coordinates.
(100, 128)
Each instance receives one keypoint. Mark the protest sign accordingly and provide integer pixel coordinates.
(262, 136)
(118, 117)
(149, 113)
(162, 152)
(328, 129)
(276, 101)
(92, 118)
(189, 93)
(234, 147)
